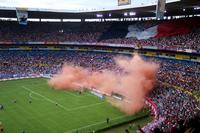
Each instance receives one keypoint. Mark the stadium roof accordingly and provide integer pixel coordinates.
(77, 5)
(183, 7)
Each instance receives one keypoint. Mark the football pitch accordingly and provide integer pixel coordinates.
(30, 105)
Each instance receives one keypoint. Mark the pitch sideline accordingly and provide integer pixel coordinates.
(95, 124)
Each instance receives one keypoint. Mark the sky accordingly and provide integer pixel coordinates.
(74, 5)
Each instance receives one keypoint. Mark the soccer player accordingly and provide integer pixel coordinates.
(1, 107)
(107, 120)
(1, 127)
(15, 101)
(127, 131)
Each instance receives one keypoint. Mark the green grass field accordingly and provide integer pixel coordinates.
(73, 111)
(131, 126)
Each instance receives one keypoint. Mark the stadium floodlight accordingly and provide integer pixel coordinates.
(132, 13)
(99, 15)
(61, 31)
(125, 14)
(197, 8)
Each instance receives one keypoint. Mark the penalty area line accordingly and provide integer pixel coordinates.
(86, 106)
(47, 99)
(72, 94)
(63, 107)
(30, 95)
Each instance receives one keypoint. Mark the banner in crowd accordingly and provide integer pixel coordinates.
(152, 106)
(22, 15)
(164, 29)
(35, 42)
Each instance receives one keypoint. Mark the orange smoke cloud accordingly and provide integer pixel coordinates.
(134, 83)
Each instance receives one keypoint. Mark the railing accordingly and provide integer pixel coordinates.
(104, 44)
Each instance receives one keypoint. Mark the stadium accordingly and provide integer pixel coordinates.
(99, 66)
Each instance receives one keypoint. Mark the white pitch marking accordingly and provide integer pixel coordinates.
(51, 101)
(95, 124)
(72, 94)
(30, 95)
(69, 93)
(47, 99)
(86, 106)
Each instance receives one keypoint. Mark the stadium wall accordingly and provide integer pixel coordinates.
(103, 44)
(178, 55)
(7, 79)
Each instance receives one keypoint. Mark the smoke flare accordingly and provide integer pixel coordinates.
(134, 84)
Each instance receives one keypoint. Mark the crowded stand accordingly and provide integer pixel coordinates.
(86, 67)
(50, 32)
(173, 105)
(180, 74)
(174, 34)
(168, 34)
(177, 91)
